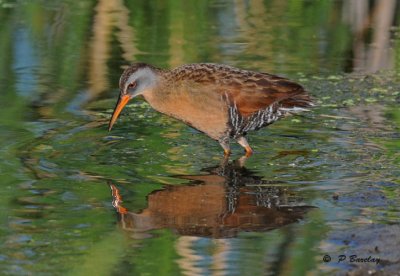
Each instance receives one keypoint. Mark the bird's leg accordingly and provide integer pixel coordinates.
(224, 142)
(243, 142)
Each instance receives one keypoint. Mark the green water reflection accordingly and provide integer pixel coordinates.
(60, 62)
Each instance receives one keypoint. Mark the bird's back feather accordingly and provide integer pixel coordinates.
(249, 91)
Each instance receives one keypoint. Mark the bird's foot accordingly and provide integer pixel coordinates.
(249, 151)
(243, 142)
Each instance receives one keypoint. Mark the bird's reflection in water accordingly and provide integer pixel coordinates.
(227, 199)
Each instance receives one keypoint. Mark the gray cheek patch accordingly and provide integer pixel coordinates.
(144, 77)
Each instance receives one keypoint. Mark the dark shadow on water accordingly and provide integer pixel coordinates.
(221, 202)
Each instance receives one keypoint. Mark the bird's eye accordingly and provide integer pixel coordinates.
(132, 85)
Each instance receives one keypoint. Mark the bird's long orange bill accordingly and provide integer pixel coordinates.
(122, 101)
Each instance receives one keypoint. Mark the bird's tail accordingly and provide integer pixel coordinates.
(297, 103)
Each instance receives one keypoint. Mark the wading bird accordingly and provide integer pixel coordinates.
(219, 100)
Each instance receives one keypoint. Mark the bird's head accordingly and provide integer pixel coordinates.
(137, 79)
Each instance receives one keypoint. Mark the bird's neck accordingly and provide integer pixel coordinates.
(159, 95)
(170, 97)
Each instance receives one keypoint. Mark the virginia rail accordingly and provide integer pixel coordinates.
(219, 100)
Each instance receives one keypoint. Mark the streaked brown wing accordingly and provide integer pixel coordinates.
(249, 91)
(257, 91)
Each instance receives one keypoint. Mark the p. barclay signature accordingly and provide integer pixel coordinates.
(356, 259)
(353, 259)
